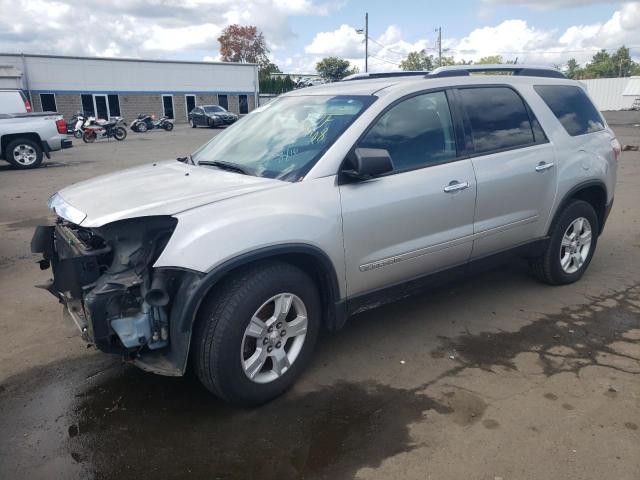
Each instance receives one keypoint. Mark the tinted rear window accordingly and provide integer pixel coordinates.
(499, 119)
(572, 107)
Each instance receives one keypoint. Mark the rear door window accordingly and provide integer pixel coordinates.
(572, 108)
(498, 118)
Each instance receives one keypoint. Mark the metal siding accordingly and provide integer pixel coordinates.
(633, 87)
(607, 93)
(63, 74)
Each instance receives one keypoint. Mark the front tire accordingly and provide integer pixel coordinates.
(24, 154)
(168, 126)
(193, 125)
(255, 335)
(142, 127)
(120, 134)
(572, 243)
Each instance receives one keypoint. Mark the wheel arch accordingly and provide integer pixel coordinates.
(6, 139)
(593, 192)
(196, 287)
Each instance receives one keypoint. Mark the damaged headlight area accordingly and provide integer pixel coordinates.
(104, 277)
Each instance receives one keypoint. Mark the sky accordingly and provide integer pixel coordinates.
(301, 32)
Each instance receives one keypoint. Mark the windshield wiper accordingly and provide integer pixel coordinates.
(233, 167)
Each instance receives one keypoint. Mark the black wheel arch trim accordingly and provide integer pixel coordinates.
(195, 286)
(572, 193)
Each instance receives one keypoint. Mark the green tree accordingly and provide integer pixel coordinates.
(417, 61)
(491, 59)
(621, 60)
(573, 69)
(334, 68)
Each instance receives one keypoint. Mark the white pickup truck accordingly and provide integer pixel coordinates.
(26, 136)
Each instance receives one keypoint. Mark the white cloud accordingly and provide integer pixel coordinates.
(144, 28)
(343, 42)
(546, 4)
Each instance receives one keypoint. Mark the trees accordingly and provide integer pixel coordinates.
(243, 44)
(416, 61)
(604, 65)
(334, 68)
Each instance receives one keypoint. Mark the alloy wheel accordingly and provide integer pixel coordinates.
(274, 338)
(575, 245)
(25, 155)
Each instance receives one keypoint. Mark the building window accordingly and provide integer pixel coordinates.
(244, 104)
(223, 101)
(167, 105)
(190, 103)
(87, 105)
(48, 101)
(114, 105)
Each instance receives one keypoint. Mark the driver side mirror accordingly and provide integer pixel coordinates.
(369, 163)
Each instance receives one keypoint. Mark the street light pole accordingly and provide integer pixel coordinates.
(366, 42)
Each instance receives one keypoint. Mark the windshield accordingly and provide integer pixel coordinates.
(286, 137)
(214, 109)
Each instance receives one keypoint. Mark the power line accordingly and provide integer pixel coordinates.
(384, 60)
(387, 49)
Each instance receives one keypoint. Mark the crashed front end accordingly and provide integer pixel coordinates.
(105, 278)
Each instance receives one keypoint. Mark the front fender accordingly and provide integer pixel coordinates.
(306, 213)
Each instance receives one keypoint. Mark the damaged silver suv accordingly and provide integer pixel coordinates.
(328, 201)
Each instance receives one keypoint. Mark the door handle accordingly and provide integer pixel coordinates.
(542, 166)
(454, 186)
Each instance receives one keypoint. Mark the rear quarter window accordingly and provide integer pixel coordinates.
(572, 108)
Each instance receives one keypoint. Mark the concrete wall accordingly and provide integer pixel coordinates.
(133, 104)
(139, 84)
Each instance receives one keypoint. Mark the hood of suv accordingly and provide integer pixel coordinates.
(164, 188)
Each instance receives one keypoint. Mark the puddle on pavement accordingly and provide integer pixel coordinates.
(102, 420)
(585, 335)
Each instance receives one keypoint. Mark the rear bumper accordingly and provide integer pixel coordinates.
(57, 142)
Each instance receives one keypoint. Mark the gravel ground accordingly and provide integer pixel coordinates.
(497, 376)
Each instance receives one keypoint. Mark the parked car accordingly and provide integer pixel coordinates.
(211, 116)
(324, 203)
(26, 136)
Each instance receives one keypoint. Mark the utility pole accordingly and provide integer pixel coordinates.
(439, 30)
(366, 42)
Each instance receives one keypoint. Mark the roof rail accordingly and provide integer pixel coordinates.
(519, 70)
(370, 75)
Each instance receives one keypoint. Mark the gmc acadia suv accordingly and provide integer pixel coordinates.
(325, 202)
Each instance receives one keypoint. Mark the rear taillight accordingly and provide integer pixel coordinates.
(27, 105)
(617, 149)
(61, 126)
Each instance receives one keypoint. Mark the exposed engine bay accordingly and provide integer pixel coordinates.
(105, 279)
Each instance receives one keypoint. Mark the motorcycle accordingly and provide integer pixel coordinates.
(148, 122)
(75, 126)
(114, 128)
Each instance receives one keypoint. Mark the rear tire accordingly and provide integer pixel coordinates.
(572, 243)
(222, 349)
(24, 154)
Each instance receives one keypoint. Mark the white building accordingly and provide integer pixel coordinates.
(613, 93)
(126, 87)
